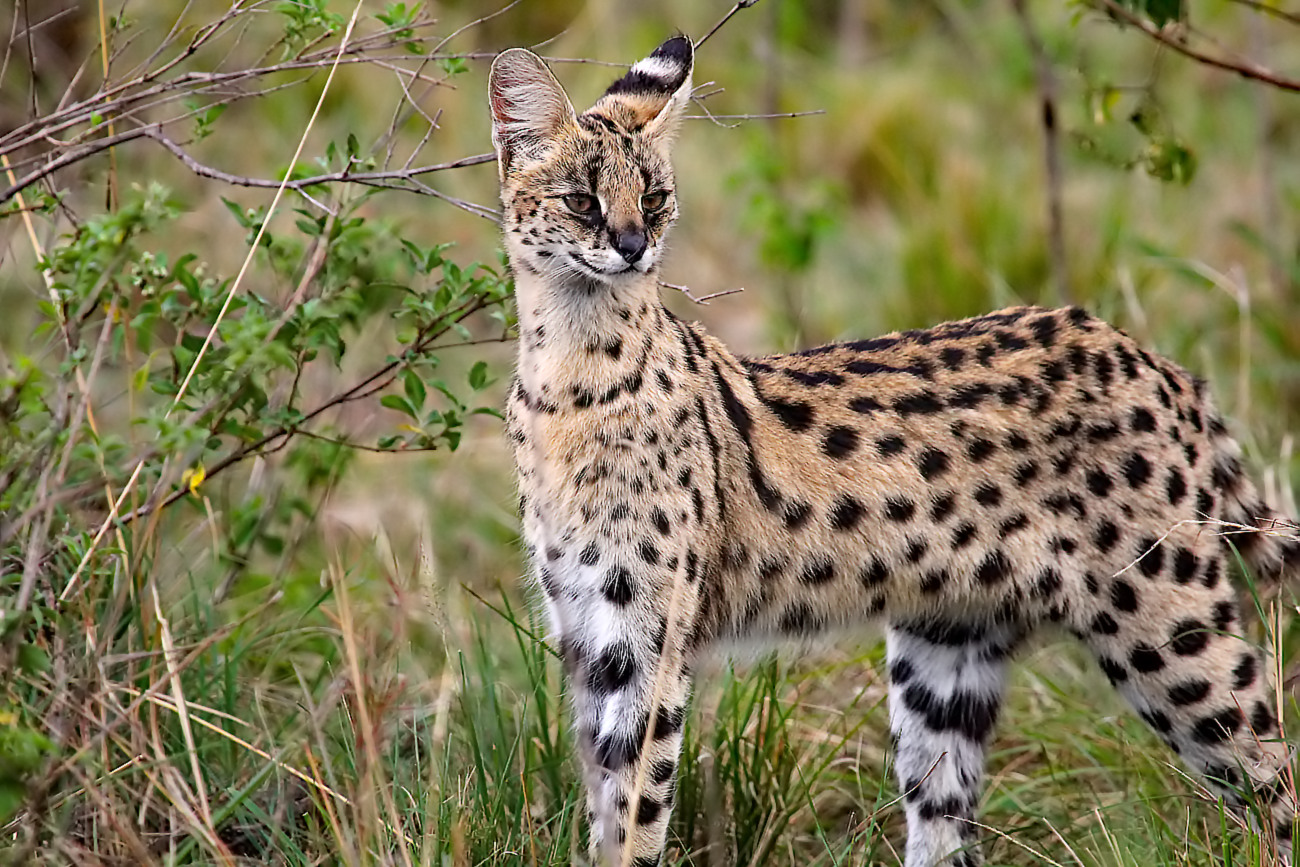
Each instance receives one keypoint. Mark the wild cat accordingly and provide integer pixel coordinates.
(962, 484)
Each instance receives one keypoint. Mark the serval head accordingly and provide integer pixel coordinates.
(588, 197)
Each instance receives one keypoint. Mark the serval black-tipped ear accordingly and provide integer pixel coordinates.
(529, 108)
(654, 93)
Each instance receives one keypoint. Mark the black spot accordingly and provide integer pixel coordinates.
(590, 555)
(1099, 482)
(874, 573)
(971, 714)
(1115, 672)
(1225, 614)
(692, 567)
(814, 377)
(937, 630)
(916, 549)
(1064, 545)
(1104, 432)
(613, 669)
(1262, 719)
(934, 580)
(649, 553)
(988, 494)
(664, 382)
(1016, 522)
(840, 441)
(900, 671)
(1175, 487)
(943, 506)
(796, 514)
(932, 463)
(1185, 565)
(1044, 328)
(1017, 442)
(952, 357)
(1123, 597)
(1142, 420)
(888, 446)
(800, 619)
(669, 722)
(662, 771)
(921, 403)
(962, 536)
(617, 749)
(1107, 536)
(621, 511)
(969, 396)
(1151, 556)
(995, 567)
(648, 810)
(1146, 659)
(1137, 470)
(1049, 581)
(1105, 369)
(1243, 676)
(617, 586)
(1189, 692)
(1104, 624)
(1213, 571)
(899, 508)
(1157, 720)
(770, 568)
(1026, 472)
(980, 449)
(1189, 637)
(697, 504)
(865, 405)
(660, 520)
(846, 512)
(796, 415)
(817, 571)
(1218, 727)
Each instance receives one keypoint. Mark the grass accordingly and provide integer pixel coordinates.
(376, 691)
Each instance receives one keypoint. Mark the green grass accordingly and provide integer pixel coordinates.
(373, 688)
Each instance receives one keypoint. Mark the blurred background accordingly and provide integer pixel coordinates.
(301, 635)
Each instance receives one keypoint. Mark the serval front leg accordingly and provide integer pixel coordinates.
(630, 689)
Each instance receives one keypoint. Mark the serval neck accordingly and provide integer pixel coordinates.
(577, 331)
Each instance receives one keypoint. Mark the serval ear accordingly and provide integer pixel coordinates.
(654, 93)
(529, 108)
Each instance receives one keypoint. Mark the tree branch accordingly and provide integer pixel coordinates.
(1245, 68)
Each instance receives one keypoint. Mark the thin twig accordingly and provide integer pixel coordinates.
(704, 299)
(740, 4)
(1046, 82)
(1245, 68)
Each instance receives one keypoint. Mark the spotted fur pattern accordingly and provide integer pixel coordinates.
(963, 484)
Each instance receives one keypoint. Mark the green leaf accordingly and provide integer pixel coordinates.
(414, 388)
(478, 376)
(1161, 12)
(400, 404)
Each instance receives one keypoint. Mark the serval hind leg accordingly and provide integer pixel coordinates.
(946, 682)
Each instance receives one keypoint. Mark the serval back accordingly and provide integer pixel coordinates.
(962, 484)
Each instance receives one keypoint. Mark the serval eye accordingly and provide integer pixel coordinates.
(580, 203)
(652, 202)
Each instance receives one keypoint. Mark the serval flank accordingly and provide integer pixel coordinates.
(962, 484)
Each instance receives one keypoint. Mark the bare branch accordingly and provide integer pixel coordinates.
(703, 299)
(1245, 68)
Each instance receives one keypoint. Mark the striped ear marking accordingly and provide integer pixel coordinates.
(662, 73)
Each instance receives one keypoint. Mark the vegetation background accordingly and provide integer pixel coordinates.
(260, 584)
